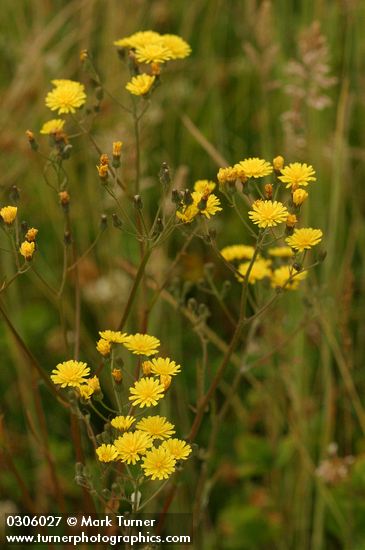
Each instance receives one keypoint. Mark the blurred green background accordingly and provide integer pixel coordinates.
(264, 78)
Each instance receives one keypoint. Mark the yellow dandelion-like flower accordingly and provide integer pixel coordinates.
(156, 427)
(188, 213)
(179, 449)
(165, 381)
(237, 252)
(94, 383)
(146, 392)
(146, 368)
(132, 445)
(27, 250)
(31, 234)
(8, 214)
(260, 269)
(304, 239)
(297, 174)
(268, 213)
(285, 273)
(281, 252)
(138, 39)
(299, 196)
(122, 422)
(141, 84)
(103, 346)
(142, 344)
(204, 186)
(227, 175)
(278, 163)
(255, 167)
(85, 391)
(178, 47)
(106, 453)
(117, 375)
(158, 463)
(53, 126)
(66, 97)
(114, 336)
(70, 373)
(153, 53)
(210, 206)
(164, 366)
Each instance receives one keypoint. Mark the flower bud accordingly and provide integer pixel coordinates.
(147, 368)
(278, 163)
(117, 375)
(291, 220)
(31, 234)
(164, 175)
(299, 196)
(117, 222)
(268, 190)
(27, 250)
(137, 199)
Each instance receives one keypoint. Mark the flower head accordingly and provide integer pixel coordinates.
(227, 175)
(107, 453)
(8, 214)
(158, 463)
(141, 84)
(254, 167)
(53, 126)
(177, 46)
(114, 336)
(138, 39)
(31, 234)
(299, 196)
(237, 252)
(103, 346)
(27, 250)
(278, 163)
(281, 252)
(156, 427)
(296, 174)
(164, 366)
(142, 344)
(188, 213)
(304, 239)
(165, 381)
(286, 276)
(131, 445)
(268, 213)
(207, 205)
(259, 270)
(179, 449)
(70, 373)
(85, 391)
(146, 392)
(204, 186)
(153, 53)
(122, 422)
(66, 96)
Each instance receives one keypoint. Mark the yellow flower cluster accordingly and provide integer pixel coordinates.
(152, 47)
(201, 201)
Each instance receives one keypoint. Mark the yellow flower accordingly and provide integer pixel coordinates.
(164, 366)
(177, 46)
(281, 252)
(260, 269)
(141, 84)
(107, 453)
(117, 148)
(204, 186)
(27, 250)
(299, 196)
(122, 422)
(53, 126)
(138, 39)
(165, 381)
(179, 449)
(103, 346)
(278, 163)
(156, 427)
(31, 234)
(291, 220)
(117, 375)
(142, 344)
(237, 252)
(94, 383)
(66, 97)
(158, 463)
(208, 206)
(146, 368)
(227, 175)
(188, 213)
(153, 53)
(131, 445)
(146, 392)
(114, 336)
(296, 174)
(268, 213)
(70, 373)
(8, 214)
(283, 274)
(304, 239)
(254, 167)
(85, 391)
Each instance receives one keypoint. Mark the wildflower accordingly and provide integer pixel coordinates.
(66, 97)
(70, 373)
(296, 174)
(117, 375)
(84, 54)
(304, 239)
(141, 84)
(103, 346)
(138, 39)
(31, 234)
(179, 49)
(27, 250)
(259, 270)
(8, 214)
(107, 453)
(161, 365)
(227, 175)
(207, 205)
(153, 53)
(278, 163)
(146, 392)
(285, 273)
(64, 198)
(122, 422)
(299, 196)
(147, 368)
(103, 170)
(114, 337)
(179, 449)
(254, 167)
(281, 252)
(158, 463)
(165, 381)
(53, 126)
(157, 427)
(85, 391)
(204, 186)
(117, 148)
(237, 252)
(268, 213)
(142, 344)
(131, 445)
(268, 190)
(188, 213)
(291, 220)
(94, 383)
(30, 135)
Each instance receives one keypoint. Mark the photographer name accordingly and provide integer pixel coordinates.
(122, 521)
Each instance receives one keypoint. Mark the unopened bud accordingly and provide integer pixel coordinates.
(147, 368)
(137, 199)
(188, 199)
(103, 221)
(117, 222)
(175, 196)
(278, 163)
(32, 141)
(164, 175)
(64, 198)
(268, 190)
(117, 375)
(67, 237)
